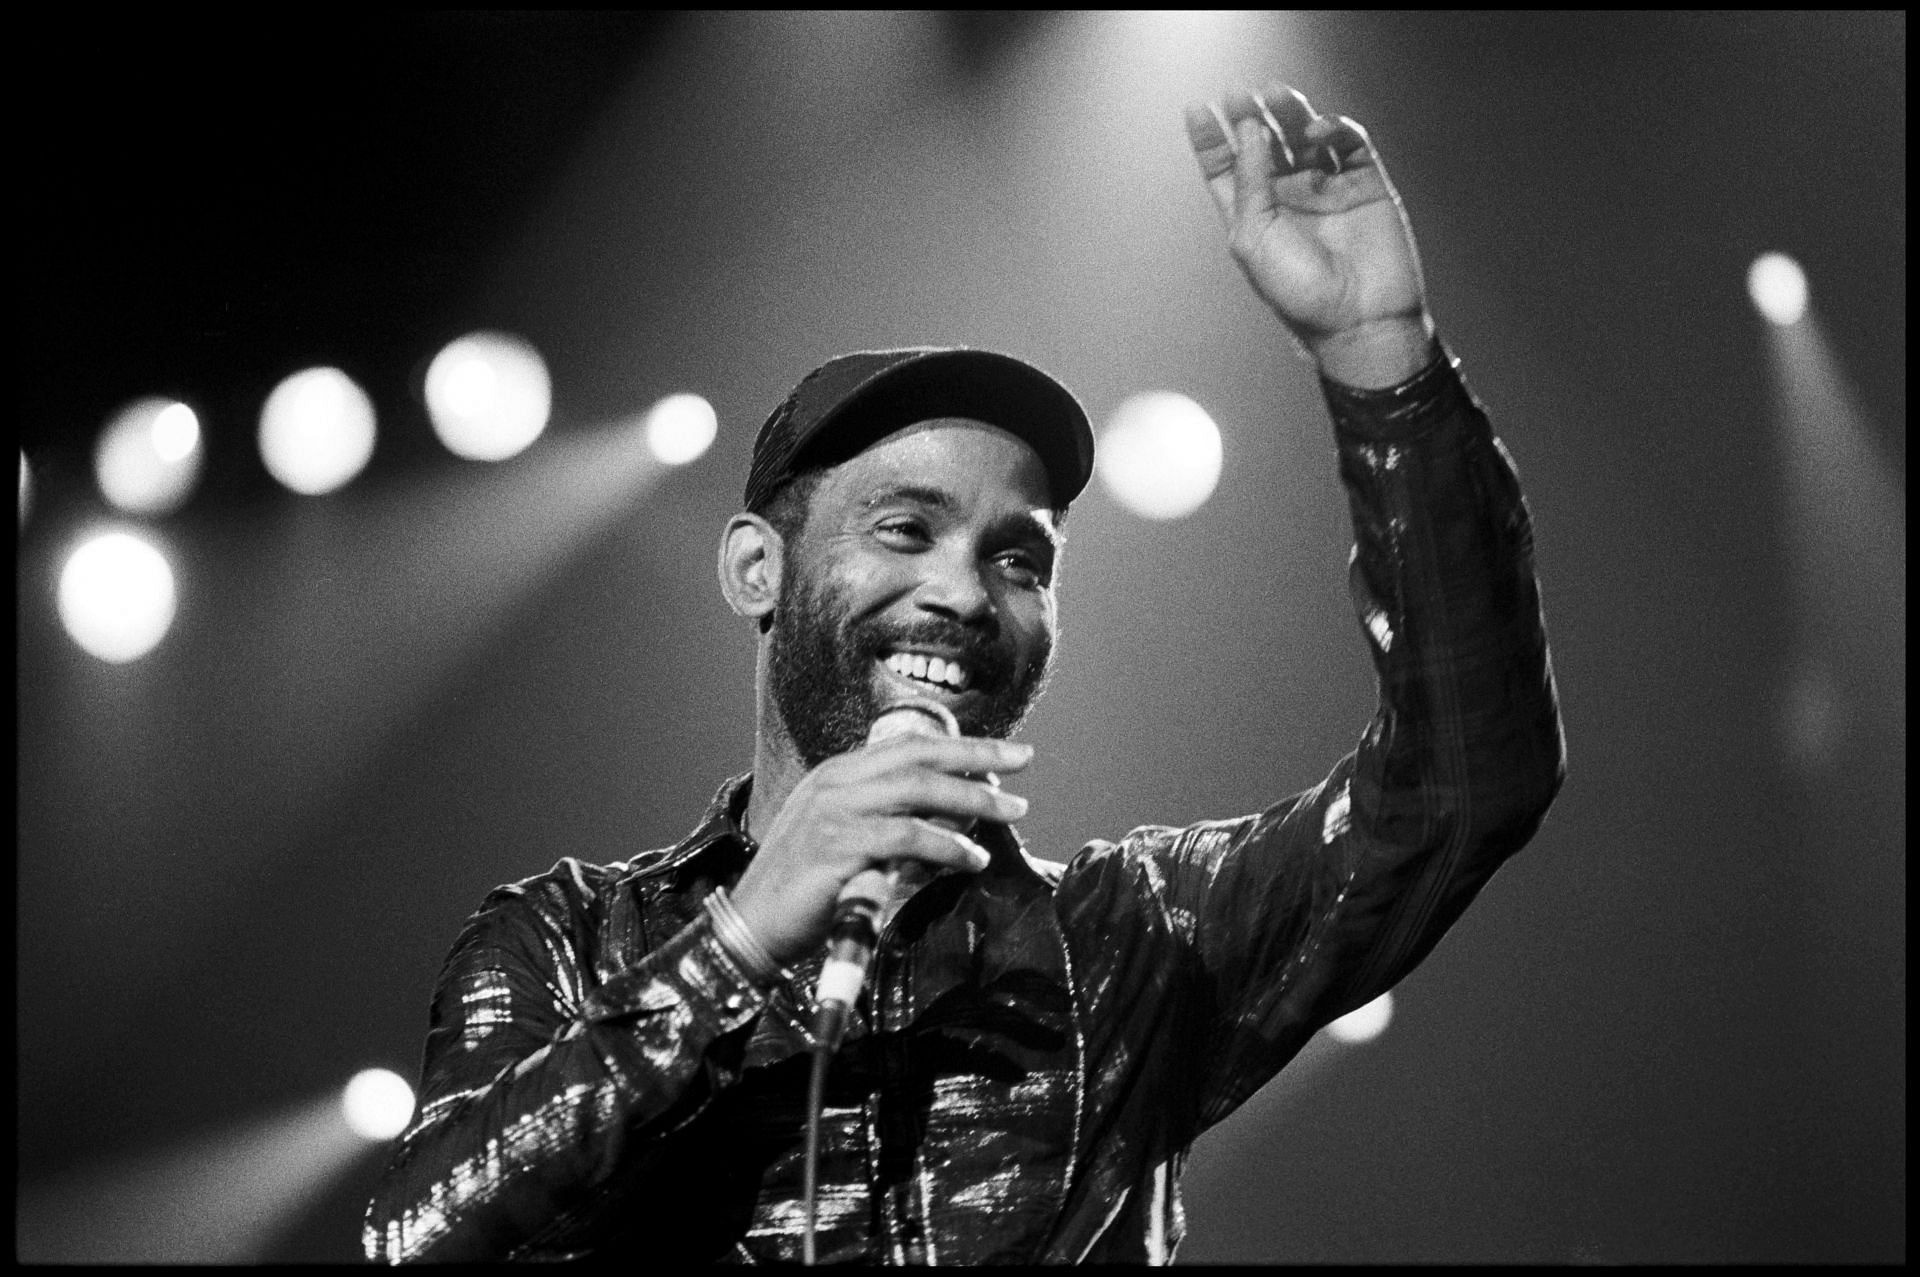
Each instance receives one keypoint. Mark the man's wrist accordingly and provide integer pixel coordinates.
(1378, 354)
(738, 939)
(1401, 412)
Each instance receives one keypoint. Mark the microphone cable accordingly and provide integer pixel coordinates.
(851, 943)
(816, 1098)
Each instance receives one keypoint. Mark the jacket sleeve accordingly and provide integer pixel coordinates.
(1281, 921)
(547, 1075)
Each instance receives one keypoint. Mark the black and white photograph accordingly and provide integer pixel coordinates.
(960, 637)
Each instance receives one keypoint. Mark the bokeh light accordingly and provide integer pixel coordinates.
(316, 431)
(116, 596)
(377, 1104)
(176, 433)
(1363, 1024)
(1160, 455)
(1778, 287)
(147, 459)
(26, 488)
(488, 395)
(680, 428)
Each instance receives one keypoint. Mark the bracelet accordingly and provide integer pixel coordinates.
(738, 939)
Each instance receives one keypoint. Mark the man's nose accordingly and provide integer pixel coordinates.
(954, 585)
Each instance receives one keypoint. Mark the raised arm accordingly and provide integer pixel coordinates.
(1275, 923)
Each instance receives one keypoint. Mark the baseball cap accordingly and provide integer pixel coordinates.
(854, 400)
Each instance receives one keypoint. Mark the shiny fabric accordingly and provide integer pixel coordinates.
(1040, 1044)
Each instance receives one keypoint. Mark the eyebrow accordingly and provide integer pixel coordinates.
(937, 498)
(942, 500)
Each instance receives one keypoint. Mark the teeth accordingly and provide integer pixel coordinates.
(928, 669)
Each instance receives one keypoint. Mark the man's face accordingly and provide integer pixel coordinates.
(926, 569)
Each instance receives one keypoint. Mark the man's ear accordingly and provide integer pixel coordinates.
(752, 556)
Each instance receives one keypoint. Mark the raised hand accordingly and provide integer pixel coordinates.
(1318, 229)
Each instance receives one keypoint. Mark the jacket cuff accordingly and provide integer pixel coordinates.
(694, 972)
(1400, 413)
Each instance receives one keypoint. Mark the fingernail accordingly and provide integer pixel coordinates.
(1020, 750)
(1014, 803)
(978, 855)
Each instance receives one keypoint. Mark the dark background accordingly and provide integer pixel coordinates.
(1673, 1030)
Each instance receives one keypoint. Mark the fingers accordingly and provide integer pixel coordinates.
(935, 844)
(956, 755)
(1211, 136)
(1282, 116)
(950, 778)
(928, 795)
(1337, 143)
(1277, 134)
(927, 846)
(1303, 139)
(942, 785)
(1286, 113)
(923, 814)
(1253, 175)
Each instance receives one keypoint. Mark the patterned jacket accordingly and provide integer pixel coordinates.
(1041, 1043)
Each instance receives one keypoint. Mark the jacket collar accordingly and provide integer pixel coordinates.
(719, 834)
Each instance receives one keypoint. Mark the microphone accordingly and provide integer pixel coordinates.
(870, 897)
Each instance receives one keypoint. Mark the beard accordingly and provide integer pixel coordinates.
(821, 666)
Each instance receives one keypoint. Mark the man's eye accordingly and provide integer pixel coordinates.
(903, 529)
(1021, 568)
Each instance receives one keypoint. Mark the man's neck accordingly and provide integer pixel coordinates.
(776, 770)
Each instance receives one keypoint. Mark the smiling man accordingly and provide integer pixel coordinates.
(619, 1055)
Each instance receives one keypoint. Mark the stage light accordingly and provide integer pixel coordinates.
(488, 396)
(680, 428)
(147, 459)
(116, 597)
(1363, 1024)
(1160, 455)
(1778, 287)
(316, 431)
(377, 1104)
(26, 489)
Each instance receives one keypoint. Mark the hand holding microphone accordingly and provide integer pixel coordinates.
(867, 810)
(869, 898)
(881, 891)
